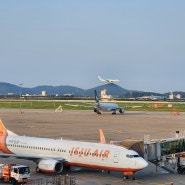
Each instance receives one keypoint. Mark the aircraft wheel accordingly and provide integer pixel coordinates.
(125, 177)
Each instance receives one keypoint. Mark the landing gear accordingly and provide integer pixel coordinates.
(37, 169)
(127, 177)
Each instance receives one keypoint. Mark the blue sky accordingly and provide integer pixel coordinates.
(140, 42)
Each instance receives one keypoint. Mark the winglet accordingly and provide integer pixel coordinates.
(102, 138)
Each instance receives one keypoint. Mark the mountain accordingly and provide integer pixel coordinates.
(111, 89)
(7, 88)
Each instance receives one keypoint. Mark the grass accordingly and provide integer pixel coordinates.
(73, 105)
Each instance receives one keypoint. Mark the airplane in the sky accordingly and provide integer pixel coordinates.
(107, 107)
(108, 80)
(52, 155)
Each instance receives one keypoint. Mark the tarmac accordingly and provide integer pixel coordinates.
(84, 126)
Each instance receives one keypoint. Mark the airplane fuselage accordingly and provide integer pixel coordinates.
(52, 155)
(107, 106)
(75, 153)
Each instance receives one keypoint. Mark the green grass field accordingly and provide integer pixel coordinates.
(74, 105)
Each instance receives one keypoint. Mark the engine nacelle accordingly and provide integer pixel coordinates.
(121, 111)
(50, 165)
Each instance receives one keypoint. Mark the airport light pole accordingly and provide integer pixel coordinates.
(20, 84)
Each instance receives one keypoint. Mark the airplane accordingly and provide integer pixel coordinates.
(53, 155)
(109, 107)
(108, 80)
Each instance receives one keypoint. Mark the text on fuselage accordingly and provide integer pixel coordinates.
(89, 152)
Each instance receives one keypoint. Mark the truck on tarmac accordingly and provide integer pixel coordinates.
(14, 173)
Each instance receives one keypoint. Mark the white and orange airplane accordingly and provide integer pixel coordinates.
(52, 155)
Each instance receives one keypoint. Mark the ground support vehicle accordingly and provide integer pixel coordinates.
(14, 173)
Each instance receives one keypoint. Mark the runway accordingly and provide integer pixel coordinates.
(84, 126)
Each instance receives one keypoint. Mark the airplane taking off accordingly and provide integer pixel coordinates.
(108, 107)
(52, 155)
(108, 80)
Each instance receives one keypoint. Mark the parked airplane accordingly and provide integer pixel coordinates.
(109, 107)
(52, 155)
(108, 80)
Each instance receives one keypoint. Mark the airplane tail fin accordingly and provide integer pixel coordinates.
(3, 134)
(3, 131)
(102, 137)
(99, 78)
(96, 97)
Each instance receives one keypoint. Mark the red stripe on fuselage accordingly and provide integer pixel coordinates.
(124, 170)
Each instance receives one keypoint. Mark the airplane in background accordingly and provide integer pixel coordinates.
(108, 80)
(52, 155)
(108, 107)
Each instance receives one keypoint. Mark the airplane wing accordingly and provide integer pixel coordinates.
(87, 105)
(135, 106)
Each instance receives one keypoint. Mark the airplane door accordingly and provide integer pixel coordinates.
(116, 157)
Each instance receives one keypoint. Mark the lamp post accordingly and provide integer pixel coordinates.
(20, 84)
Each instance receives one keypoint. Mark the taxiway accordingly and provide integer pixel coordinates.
(84, 125)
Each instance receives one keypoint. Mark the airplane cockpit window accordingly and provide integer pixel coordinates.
(136, 155)
(132, 156)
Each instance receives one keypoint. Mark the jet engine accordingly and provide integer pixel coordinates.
(97, 111)
(50, 165)
(121, 111)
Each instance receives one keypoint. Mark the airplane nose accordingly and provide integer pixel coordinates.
(143, 163)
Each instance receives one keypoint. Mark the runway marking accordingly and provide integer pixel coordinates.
(118, 131)
(31, 126)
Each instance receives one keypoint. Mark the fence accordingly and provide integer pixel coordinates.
(55, 180)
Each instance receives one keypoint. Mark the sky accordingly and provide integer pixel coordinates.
(71, 42)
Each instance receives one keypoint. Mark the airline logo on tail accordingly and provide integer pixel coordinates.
(3, 135)
(2, 129)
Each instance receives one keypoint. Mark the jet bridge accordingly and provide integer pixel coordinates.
(160, 151)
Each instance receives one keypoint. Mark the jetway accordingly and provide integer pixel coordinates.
(161, 151)
(156, 150)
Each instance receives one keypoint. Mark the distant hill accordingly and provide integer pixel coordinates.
(7, 88)
(111, 89)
